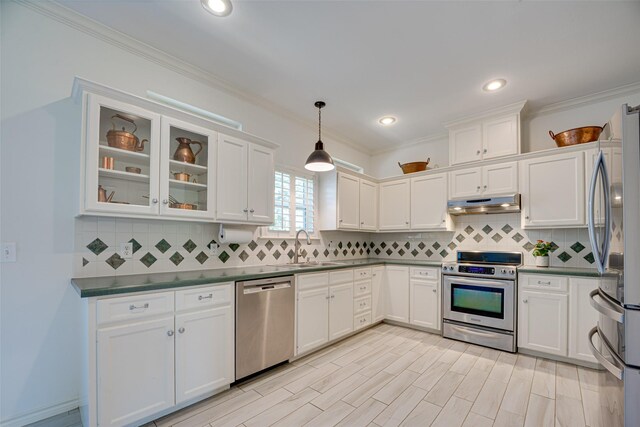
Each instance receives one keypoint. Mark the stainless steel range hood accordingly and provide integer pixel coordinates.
(503, 204)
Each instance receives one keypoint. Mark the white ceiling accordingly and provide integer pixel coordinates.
(422, 61)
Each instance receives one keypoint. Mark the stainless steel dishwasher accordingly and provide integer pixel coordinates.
(264, 323)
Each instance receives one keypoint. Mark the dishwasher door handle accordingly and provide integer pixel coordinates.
(253, 289)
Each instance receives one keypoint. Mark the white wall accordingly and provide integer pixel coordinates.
(535, 133)
(39, 168)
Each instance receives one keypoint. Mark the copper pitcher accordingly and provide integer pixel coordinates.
(183, 152)
(123, 139)
(102, 195)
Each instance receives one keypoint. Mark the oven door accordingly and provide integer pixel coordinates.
(478, 301)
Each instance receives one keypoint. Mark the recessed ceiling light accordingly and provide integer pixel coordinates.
(217, 7)
(494, 85)
(387, 120)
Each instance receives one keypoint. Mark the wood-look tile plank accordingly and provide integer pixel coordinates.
(567, 382)
(524, 367)
(332, 416)
(444, 389)
(464, 363)
(335, 378)
(364, 414)
(591, 407)
(516, 396)
(218, 411)
(406, 346)
(431, 376)
(300, 416)
(256, 407)
(507, 419)
(402, 363)
(266, 377)
(569, 412)
(453, 414)
(540, 411)
(353, 355)
(192, 410)
(395, 387)
(282, 409)
(337, 392)
(490, 397)
(422, 363)
(475, 420)
(503, 368)
(376, 352)
(378, 365)
(398, 410)
(422, 415)
(544, 379)
(363, 392)
(310, 378)
(282, 380)
(589, 378)
(471, 385)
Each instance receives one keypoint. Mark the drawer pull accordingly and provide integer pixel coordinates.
(540, 282)
(181, 330)
(170, 333)
(200, 297)
(139, 307)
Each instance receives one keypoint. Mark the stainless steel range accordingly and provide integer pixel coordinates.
(479, 298)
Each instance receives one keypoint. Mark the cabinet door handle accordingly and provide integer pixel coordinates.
(154, 200)
(406, 222)
(245, 210)
(484, 151)
(165, 202)
(478, 153)
(252, 210)
(333, 296)
(340, 220)
(525, 301)
(200, 297)
(540, 282)
(362, 223)
(485, 187)
(181, 330)
(434, 290)
(478, 188)
(526, 217)
(134, 307)
(170, 333)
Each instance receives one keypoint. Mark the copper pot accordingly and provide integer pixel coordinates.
(186, 206)
(577, 136)
(414, 166)
(181, 176)
(183, 152)
(102, 195)
(123, 139)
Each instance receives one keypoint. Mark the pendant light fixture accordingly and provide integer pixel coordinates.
(319, 160)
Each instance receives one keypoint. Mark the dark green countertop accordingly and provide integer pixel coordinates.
(560, 271)
(112, 285)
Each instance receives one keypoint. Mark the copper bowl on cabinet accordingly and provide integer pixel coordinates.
(181, 176)
(414, 166)
(185, 206)
(577, 136)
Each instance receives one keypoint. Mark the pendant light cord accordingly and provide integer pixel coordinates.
(319, 123)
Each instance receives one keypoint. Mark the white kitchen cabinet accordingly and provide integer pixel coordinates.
(348, 202)
(368, 205)
(340, 310)
(396, 293)
(465, 144)
(465, 183)
(199, 188)
(553, 191)
(377, 294)
(135, 370)
(395, 205)
(493, 180)
(582, 317)
(424, 303)
(244, 181)
(500, 137)
(312, 320)
(204, 352)
(429, 202)
(542, 321)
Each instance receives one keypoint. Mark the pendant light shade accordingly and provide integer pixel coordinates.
(319, 160)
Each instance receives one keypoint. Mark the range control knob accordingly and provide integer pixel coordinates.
(503, 271)
(512, 272)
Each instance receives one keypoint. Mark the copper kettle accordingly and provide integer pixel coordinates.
(183, 152)
(123, 139)
(102, 195)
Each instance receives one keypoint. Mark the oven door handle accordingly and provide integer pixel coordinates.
(617, 366)
(475, 332)
(477, 282)
(605, 307)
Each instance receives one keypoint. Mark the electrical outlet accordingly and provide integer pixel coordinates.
(8, 252)
(213, 249)
(330, 244)
(126, 250)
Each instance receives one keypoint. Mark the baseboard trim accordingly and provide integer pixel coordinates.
(564, 359)
(40, 414)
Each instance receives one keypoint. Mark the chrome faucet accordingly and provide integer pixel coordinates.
(296, 245)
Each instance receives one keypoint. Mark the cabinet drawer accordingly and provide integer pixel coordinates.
(342, 276)
(362, 304)
(310, 281)
(210, 296)
(361, 273)
(362, 320)
(362, 288)
(134, 307)
(425, 273)
(544, 282)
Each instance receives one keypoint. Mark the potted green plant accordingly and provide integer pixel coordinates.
(541, 251)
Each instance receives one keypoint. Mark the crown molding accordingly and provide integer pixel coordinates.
(580, 101)
(516, 107)
(66, 16)
(436, 137)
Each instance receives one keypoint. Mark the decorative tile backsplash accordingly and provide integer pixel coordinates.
(162, 246)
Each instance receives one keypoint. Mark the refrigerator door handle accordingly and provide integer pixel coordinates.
(615, 367)
(600, 257)
(606, 308)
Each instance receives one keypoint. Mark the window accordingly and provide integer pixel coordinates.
(294, 206)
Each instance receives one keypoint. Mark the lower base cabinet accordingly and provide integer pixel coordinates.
(582, 317)
(377, 297)
(340, 310)
(424, 303)
(155, 351)
(396, 293)
(543, 322)
(312, 319)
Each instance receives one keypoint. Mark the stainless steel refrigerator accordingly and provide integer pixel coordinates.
(614, 231)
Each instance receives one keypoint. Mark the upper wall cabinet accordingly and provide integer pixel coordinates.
(395, 205)
(347, 202)
(491, 135)
(553, 191)
(429, 202)
(493, 180)
(144, 159)
(244, 182)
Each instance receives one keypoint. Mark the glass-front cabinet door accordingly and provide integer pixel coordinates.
(122, 150)
(187, 170)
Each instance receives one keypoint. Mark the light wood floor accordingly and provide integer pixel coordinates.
(390, 376)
